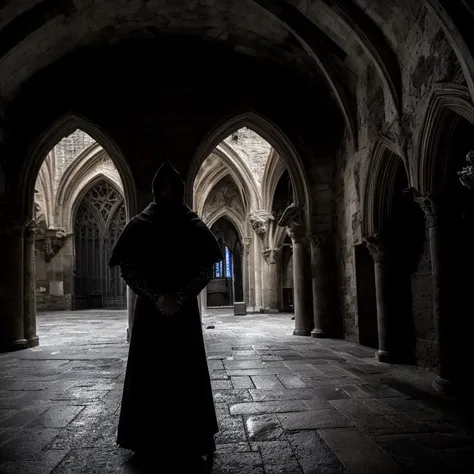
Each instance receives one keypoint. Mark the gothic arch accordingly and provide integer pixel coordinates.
(64, 126)
(231, 216)
(79, 174)
(273, 135)
(274, 169)
(45, 180)
(87, 187)
(230, 161)
(377, 199)
(445, 99)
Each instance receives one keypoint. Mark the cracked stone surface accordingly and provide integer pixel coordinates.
(285, 404)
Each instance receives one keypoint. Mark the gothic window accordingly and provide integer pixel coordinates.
(99, 221)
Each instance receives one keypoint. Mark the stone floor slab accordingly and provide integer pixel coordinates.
(358, 453)
(59, 402)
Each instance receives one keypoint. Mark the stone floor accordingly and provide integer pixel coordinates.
(286, 404)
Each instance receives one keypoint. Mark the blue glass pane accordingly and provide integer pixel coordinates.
(228, 261)
(217, 270)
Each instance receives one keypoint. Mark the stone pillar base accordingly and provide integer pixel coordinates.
(383, 356)
(33, 341)
(17, 345)
(319, 333)
(448, 387)
(301, 332)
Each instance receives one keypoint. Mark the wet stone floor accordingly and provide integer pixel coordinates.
(286, 404)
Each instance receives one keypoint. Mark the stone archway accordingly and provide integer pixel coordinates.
(274, 136)
(25, 315)
(445, 137)
(391, 227)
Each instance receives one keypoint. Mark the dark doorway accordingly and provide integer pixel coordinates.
(227, 283)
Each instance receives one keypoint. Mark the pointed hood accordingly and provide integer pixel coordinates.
(168, 177)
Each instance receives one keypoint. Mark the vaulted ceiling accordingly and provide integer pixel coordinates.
(326, 41)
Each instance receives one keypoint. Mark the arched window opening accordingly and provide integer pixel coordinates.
(99, 221)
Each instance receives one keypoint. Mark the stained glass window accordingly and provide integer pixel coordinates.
(218, 270)
(228, 263)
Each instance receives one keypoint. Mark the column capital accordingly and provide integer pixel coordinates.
(377, 246)
(271, 255)
(259, 220)
(296, 233)
(429, 207)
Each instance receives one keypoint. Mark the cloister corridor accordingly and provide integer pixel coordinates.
(285, 404)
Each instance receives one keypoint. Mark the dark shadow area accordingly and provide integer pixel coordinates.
(366, 297)
(458, 240)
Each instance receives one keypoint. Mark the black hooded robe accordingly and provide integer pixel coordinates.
(167, 402)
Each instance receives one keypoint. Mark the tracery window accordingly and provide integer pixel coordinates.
(99, 220)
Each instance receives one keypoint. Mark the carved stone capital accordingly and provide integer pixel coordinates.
(430, 209)
(54, 242)
(291, 215)
(259, 220)
(271, 255)
(377, 247)
(466, 175)
(427, 204)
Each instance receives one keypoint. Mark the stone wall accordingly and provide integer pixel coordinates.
(426, 58)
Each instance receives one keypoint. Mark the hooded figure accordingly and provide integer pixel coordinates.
(166, 254)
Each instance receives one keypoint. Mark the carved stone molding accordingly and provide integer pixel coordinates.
(54, 241)
(377, 246)
(291, 215)
(259, 220)
(428, 206)
(466, 175)
(247, 244)
(271, 255)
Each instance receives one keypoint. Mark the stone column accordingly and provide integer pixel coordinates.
(320, 303)
(12, 324)
(303, 323)
(257, 269)
(440, 291)
(383, 290)
(29, 303)
(271, 283)
(246, 269)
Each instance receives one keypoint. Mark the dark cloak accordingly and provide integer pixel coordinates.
(167, 402)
